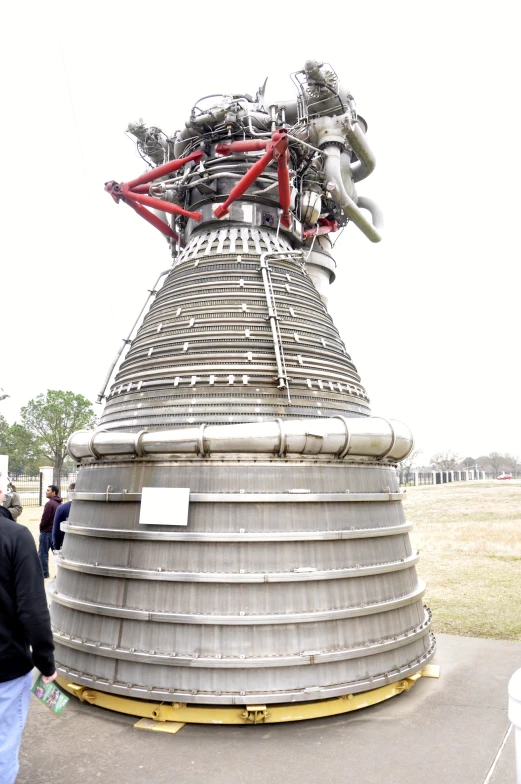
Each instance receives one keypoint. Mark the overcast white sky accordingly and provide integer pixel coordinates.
(430, 316)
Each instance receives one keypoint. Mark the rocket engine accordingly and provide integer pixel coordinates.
(237, 533)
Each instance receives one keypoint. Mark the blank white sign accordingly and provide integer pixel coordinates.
(164, 506)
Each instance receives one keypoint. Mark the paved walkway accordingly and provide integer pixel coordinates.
(443, 731)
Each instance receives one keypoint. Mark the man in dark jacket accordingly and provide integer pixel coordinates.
(46, 524)
(61, 516)
(25, 636)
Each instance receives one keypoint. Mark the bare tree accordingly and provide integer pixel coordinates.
(445, 461)
(404, 467)
(511, 462)
(496, 461)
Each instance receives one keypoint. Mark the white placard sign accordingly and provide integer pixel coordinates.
(164, 506)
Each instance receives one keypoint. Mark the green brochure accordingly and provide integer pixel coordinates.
(50, 695)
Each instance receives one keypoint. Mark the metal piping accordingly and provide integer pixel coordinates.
(366, 159)
(340, 196)
(358, 436)
(273, 315)
(377, 215)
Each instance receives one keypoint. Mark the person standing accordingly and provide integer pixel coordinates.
(12, 501)
(25, 636)
(62, 514)
(46, 523)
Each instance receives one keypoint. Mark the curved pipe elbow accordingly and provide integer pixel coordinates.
(366, 159)
(332, 169)
(376, 214)
(182, 142)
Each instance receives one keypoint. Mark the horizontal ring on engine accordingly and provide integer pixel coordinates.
(233, 620)
(237, 577)
(271, 536)
(256, 498)
(237, 662)
(250, 697)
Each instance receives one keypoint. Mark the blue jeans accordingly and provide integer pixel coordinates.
(43, 552)
(14, 706)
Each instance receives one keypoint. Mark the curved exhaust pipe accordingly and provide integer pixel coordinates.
(366, 162)
(333, 172)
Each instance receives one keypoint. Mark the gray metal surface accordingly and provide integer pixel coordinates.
(294, 578)
(205, 351)
(255, 599)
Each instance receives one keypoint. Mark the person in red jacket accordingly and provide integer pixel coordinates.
(46, 524)
(25, 635)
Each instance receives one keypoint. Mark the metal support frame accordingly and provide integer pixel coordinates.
(179, 713)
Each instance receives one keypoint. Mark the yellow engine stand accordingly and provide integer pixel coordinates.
(170, 717)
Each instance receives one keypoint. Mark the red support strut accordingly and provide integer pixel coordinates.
(248, 145)
(164, 169)
(243, 184)
(324, 227)
(135, 194)
(276, 149)
(153, 220)
(159, 204)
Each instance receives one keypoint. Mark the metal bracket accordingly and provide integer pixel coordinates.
(255, 714)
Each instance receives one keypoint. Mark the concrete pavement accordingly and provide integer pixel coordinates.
(442, 731)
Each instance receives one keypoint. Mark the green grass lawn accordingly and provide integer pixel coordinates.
(469, 538)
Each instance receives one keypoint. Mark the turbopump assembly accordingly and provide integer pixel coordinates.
(237, 534)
